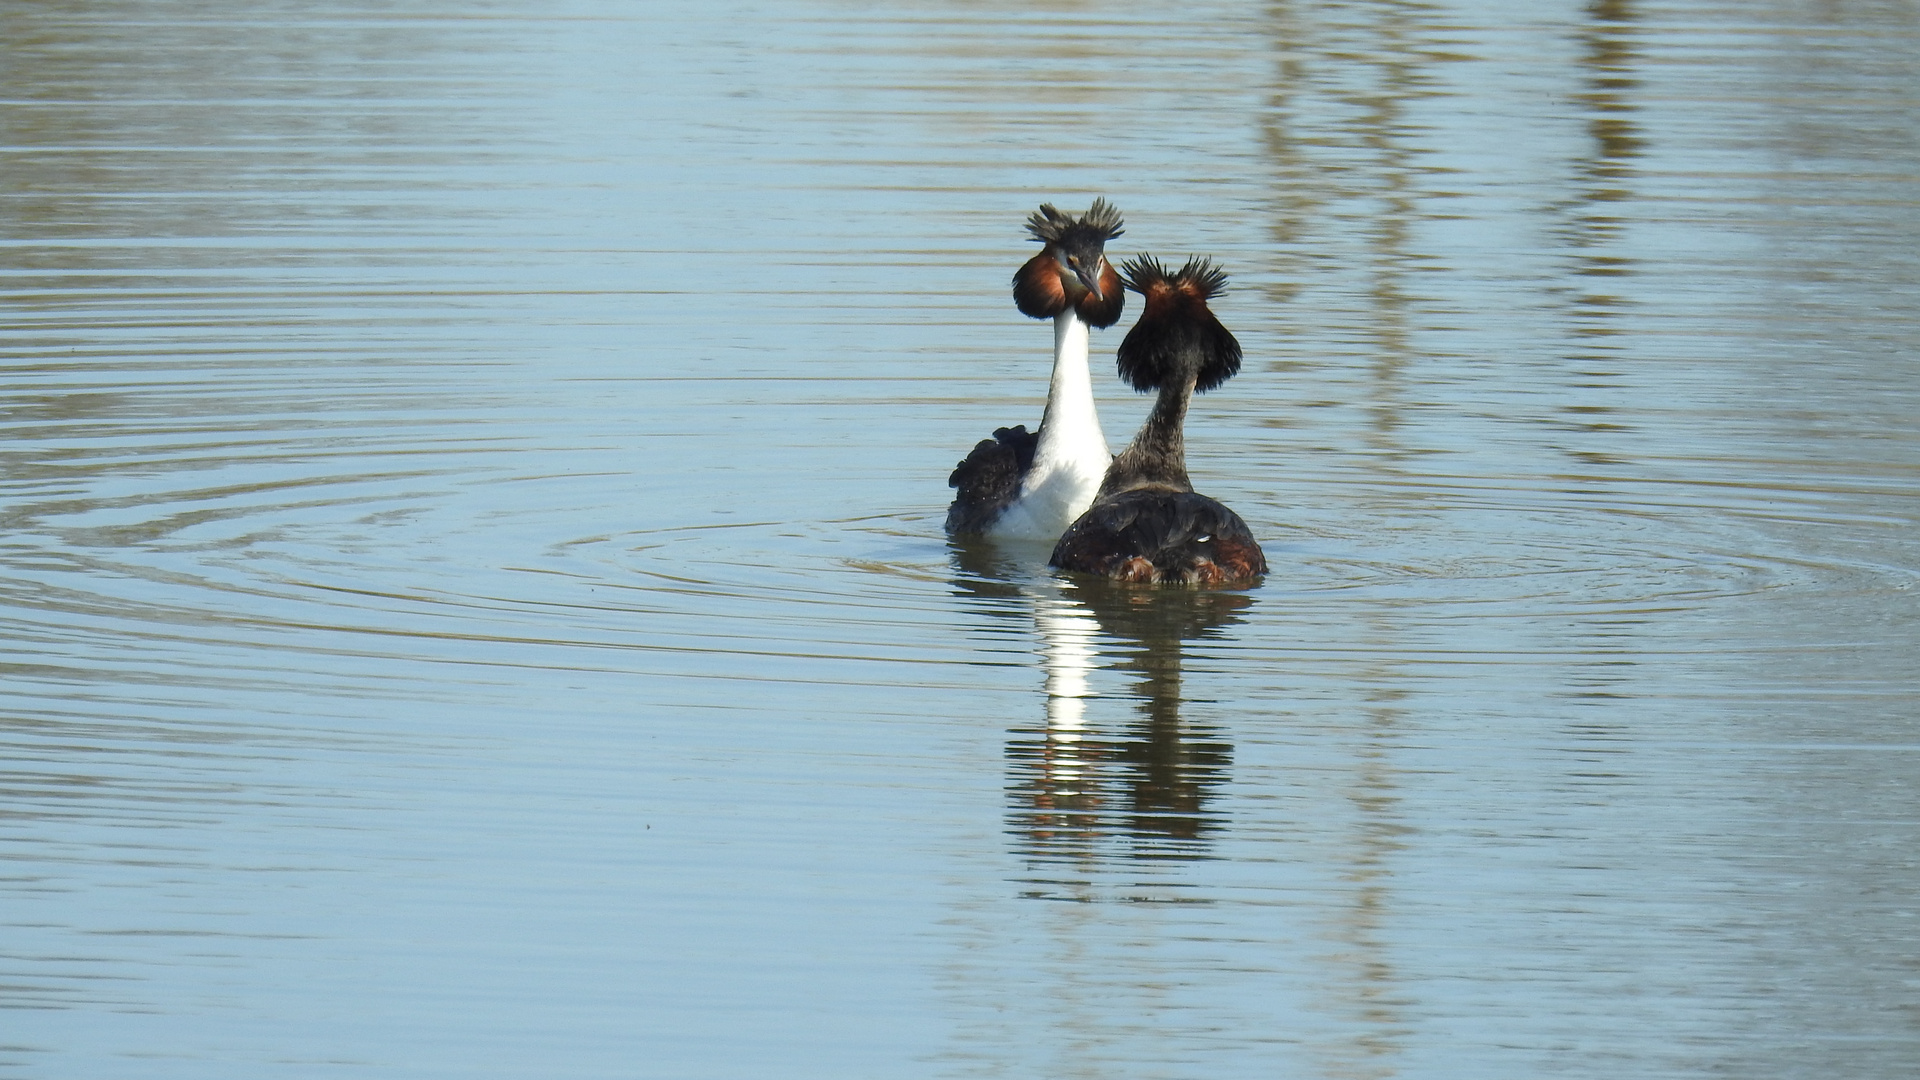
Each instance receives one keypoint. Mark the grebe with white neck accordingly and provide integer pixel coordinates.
(1147, 524)
(1033, 485)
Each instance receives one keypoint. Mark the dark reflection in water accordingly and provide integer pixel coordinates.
(1352, 182)
(1348, 86)
(1603, 178)
(1608, 53)
(1076, 785)
(1084, 789)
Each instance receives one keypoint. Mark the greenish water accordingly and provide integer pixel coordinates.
(475, 603)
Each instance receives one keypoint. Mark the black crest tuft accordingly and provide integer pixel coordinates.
(1199, 278)
(1098, 225)
(1177, 334)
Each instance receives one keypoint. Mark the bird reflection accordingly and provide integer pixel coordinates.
(1085, 786)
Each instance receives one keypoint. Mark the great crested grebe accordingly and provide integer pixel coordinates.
(1018, 484)
(1147, 524)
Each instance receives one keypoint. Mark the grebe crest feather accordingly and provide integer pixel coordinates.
(1177, 332)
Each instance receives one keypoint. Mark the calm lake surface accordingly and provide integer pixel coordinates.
(475, 602)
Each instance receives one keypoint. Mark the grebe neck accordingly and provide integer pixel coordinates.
(1071, 424)
(1071, 455)
(1158, 455)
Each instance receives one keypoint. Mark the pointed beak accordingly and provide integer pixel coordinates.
(1090, 277)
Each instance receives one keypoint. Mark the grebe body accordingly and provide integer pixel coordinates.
(1033, 485)
(1146, 523)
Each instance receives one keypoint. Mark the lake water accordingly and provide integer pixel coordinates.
(475, 602)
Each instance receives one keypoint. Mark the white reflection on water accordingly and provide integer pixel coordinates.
(475, 602)
(1085, 794)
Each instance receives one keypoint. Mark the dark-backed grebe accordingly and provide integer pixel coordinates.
(1034, 485)
(1147, 524)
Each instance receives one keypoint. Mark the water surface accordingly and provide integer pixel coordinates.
(475, 601)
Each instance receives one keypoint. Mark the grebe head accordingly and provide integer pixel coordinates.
(1071, 271)
(1177, 336)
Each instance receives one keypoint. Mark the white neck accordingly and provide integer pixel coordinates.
(1070, 420)
(1072, 455)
